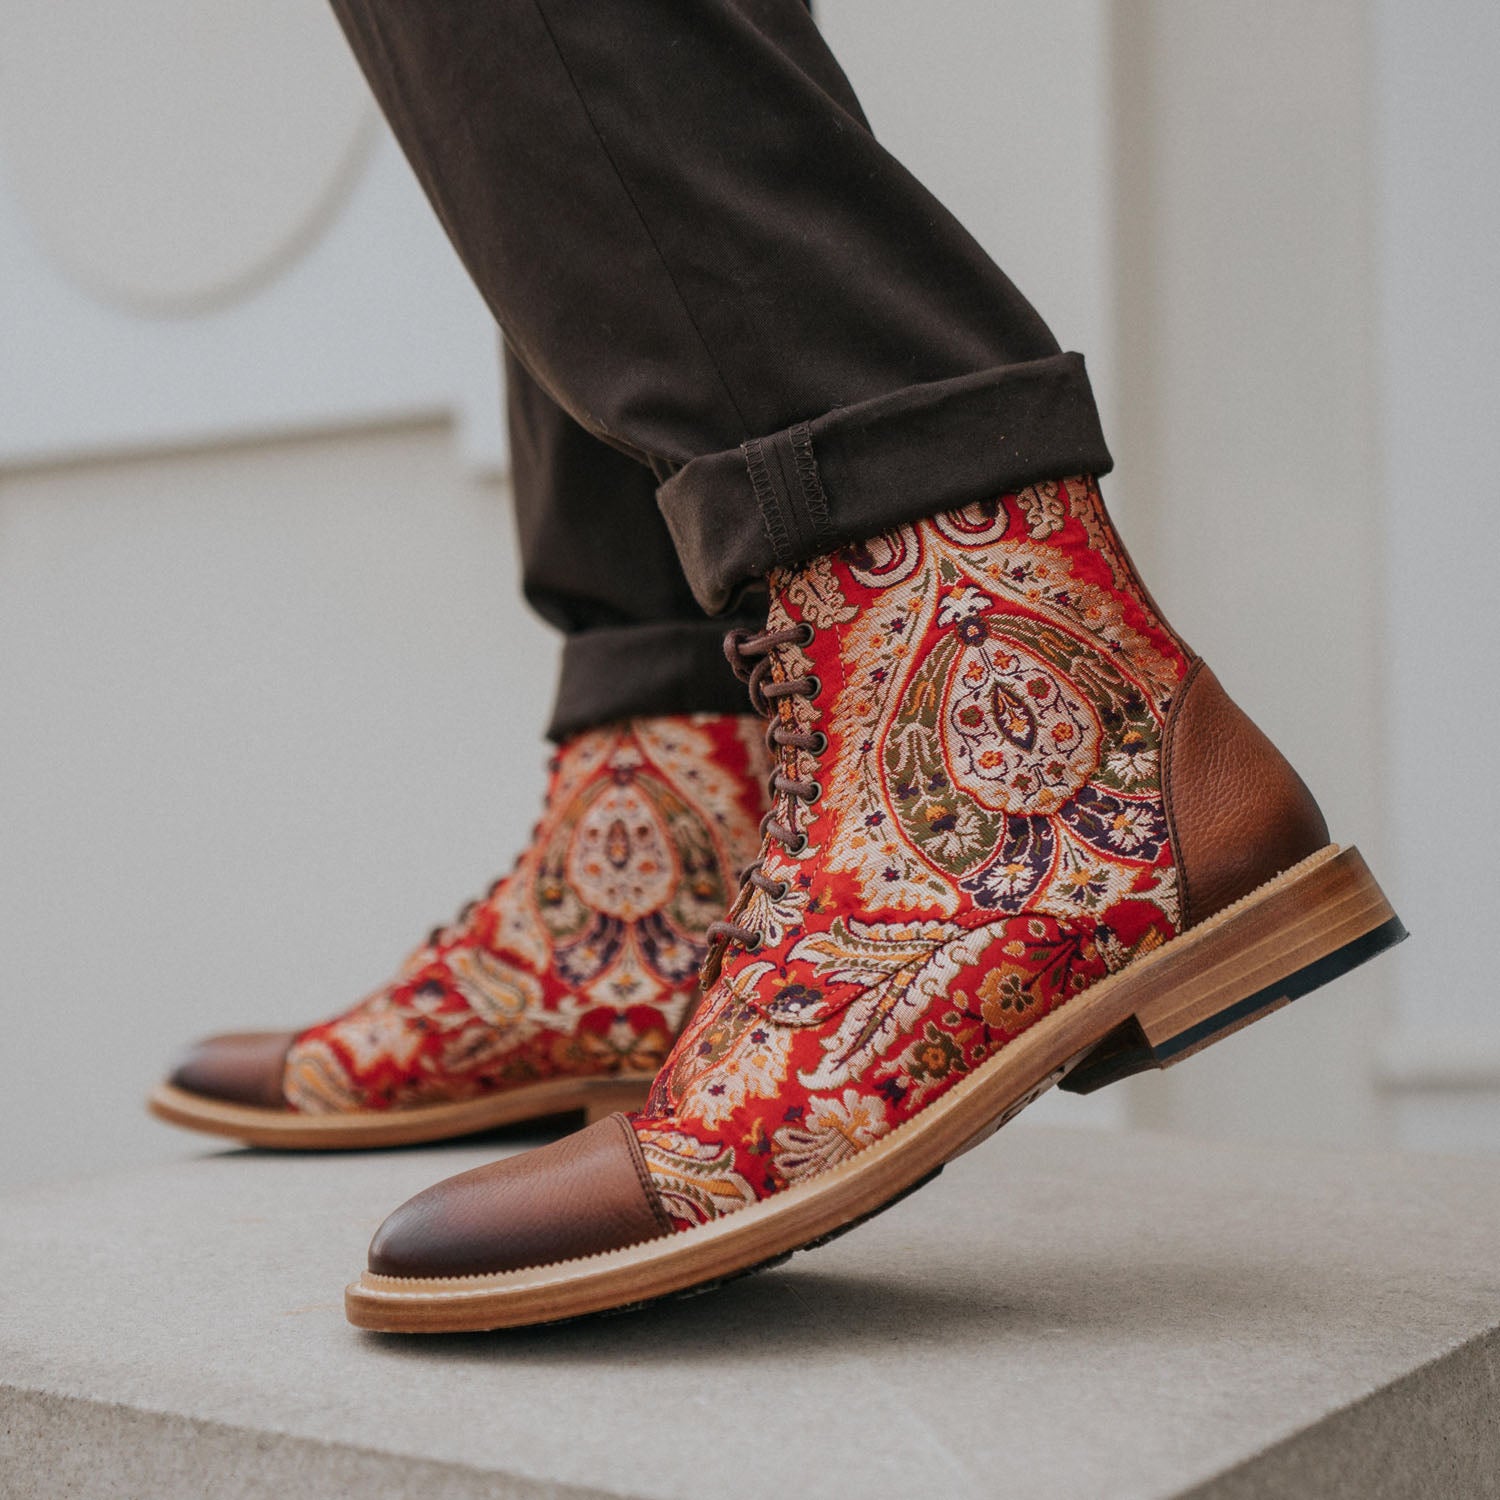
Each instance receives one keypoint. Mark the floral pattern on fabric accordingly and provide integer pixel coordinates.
(585, 958)
(989, 840)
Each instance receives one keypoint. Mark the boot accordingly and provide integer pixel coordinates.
(1020, 836)
(561, 990)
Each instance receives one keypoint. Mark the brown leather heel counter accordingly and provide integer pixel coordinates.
(1239, 814)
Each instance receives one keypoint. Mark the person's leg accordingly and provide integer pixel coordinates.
(677, 213)
(1019, 832)
(598, 562)
(1020, 837)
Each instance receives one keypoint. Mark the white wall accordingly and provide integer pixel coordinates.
(1439, 258)
(1244, 195)
(344, 305)
(269, 712)
(270, 704)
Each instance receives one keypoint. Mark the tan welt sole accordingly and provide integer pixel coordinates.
(286, 1130)
(1316, 920)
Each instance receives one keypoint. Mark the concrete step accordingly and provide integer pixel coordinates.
(1061, 1315)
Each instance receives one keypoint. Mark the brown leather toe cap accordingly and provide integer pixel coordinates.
(578, 1196)
(241, 1068)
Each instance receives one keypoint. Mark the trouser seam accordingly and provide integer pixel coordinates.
(858, 471)
(811, 484)
(789, 494)
(766, 501)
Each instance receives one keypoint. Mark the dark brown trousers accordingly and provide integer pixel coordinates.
(698, 251)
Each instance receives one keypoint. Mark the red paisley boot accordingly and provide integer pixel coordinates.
(1020, 837)
(561, 990)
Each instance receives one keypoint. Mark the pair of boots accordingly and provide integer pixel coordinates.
(1008, 831)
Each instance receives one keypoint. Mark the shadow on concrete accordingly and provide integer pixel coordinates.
(793, 1311)
(508, 1138)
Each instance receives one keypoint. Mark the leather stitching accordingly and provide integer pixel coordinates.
(643, 1174)
(1168, 753)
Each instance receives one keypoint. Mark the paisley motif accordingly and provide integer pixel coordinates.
(989, 841)
(1019, 737)
(585, 958)
(620, 859)
(697, 1181)
(974, 525)
(1023, 861)
(883, 560)
(1121, 828)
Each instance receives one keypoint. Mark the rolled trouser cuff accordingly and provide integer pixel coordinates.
(857, 471)
(629, 671)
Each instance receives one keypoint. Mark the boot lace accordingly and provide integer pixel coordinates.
(749, 654)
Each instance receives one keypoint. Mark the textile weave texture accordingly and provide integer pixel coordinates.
(989, 838)
(584, 959)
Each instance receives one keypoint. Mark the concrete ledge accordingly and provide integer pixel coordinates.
(1061, 1315)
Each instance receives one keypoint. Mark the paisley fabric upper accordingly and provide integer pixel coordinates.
(584, 959)
(990, 839)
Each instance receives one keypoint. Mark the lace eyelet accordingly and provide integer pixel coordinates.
(805, 634)
(778, 891)
(814, 686)
(819, 745)
(751, 947)
(797, 845)
(812, 796)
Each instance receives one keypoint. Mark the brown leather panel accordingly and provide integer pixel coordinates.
(1238, 813)
(241, 1068)
(578, 1196)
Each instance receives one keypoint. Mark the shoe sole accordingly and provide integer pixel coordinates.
(365, 1129)
(1307, 926)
